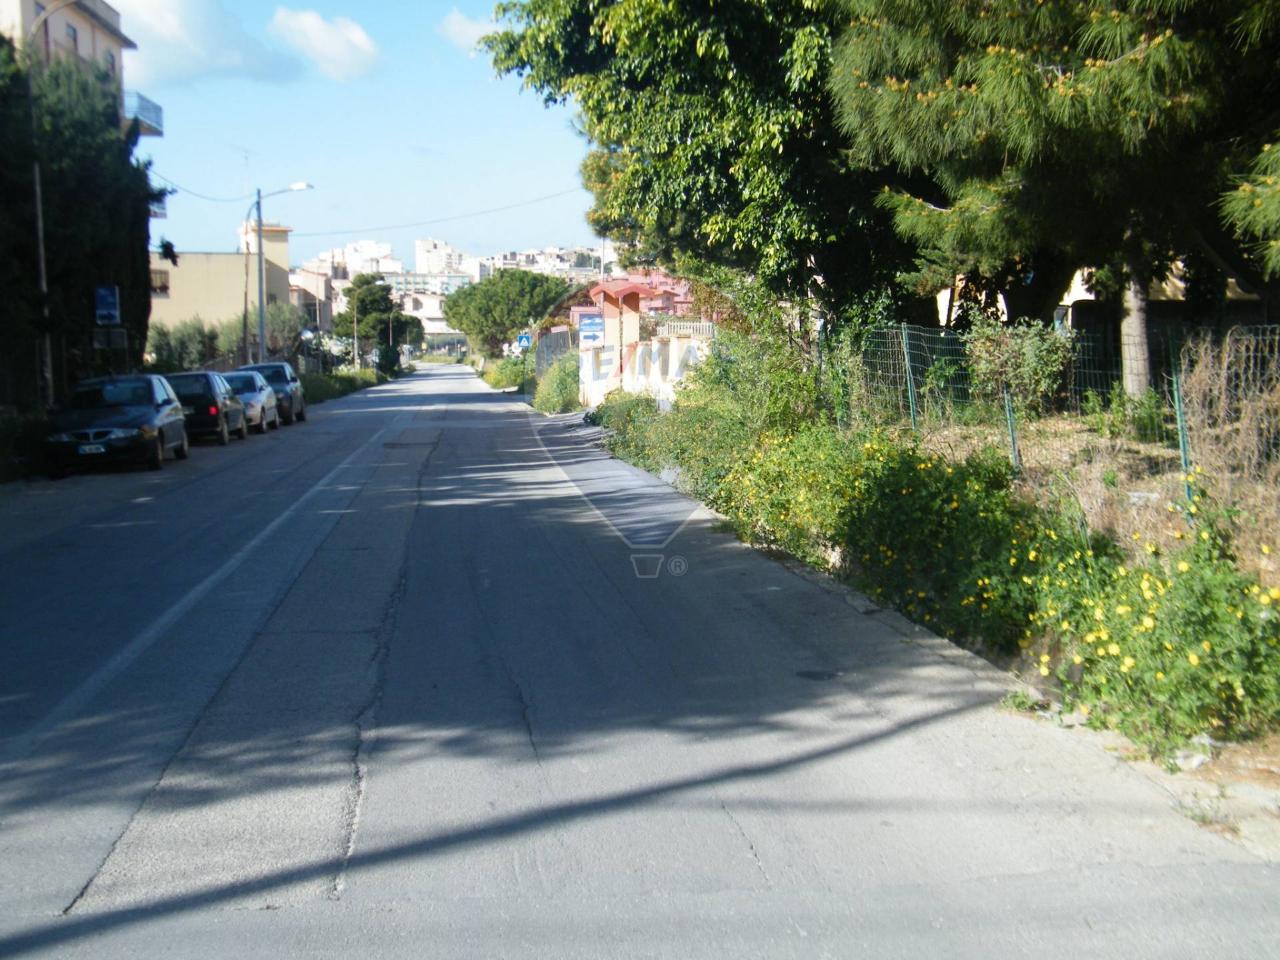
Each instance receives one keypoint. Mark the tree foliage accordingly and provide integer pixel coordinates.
(492, 311)
(380, 322)
(713, 135)
(96, 205)
(1062, 133)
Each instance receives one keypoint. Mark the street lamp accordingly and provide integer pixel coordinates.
(262, 268)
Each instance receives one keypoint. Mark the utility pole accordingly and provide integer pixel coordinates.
(355, 331)
(46, 343)
(262, 284)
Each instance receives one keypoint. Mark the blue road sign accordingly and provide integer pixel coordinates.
(524, 341)
(106, 306)
(591, 328)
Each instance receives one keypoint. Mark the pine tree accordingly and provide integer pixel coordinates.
(1059, 132)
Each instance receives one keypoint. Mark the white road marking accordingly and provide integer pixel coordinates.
(21, 745)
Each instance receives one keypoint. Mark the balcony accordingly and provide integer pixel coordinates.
(148, 113)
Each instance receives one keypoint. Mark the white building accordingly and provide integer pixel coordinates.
(436, 256)
(360, 256)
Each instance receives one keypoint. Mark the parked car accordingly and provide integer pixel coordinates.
(134, 419)
(259, 399)
(289, 399)
(210, 405)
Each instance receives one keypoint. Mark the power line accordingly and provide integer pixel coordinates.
(425, 223)
(179, 187)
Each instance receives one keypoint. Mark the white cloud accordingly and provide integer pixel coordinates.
(182, 41)
(464, 32)
(339, 48)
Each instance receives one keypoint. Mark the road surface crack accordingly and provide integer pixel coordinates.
(365, 722)
(755, 854)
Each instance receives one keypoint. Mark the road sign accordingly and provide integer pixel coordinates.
(524, 341)
(106, 306)
(591, 328)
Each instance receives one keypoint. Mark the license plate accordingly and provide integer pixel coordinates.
(187, 411)
(92, 448)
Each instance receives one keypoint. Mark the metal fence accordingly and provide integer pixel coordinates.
(1208, 423)
(551, 347)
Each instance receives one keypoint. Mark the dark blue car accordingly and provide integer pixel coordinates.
(132, 419)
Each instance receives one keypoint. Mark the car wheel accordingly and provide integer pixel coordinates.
(224, 435)
(262, 422)
(243, 432)
(156, 460)
(302, 412)
(182, 450)
(288, 417)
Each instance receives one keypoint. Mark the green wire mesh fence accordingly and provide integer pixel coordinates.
(1066, 410)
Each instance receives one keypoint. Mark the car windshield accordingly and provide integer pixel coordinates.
(242, 382)
(276, 375)
(190, 387)
(112, 393)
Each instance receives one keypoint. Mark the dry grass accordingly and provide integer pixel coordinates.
(1231, 394)
(1122, 487)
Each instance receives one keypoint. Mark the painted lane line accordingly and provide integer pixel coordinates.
(21, 745)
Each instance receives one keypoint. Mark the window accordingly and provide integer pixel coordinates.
(160, 283)
(111, 62)
(73, 37)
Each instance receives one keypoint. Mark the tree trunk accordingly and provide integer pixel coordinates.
(1135, 353)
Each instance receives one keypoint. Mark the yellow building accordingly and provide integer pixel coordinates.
(217, 286)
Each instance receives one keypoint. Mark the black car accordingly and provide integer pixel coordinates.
(211, 406)
(133, 419)
(290, 402)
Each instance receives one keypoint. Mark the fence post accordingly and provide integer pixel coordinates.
(911, 380)
(1014, 456)
(1184, 440)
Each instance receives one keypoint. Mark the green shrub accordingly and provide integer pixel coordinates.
(22, 444)
(628, 419)
(319, 387)
(1169, 649)
(509, 372)
(558, 390)
(1144, 418)
(1026, 358)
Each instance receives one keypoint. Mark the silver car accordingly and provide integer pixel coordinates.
(259, 399)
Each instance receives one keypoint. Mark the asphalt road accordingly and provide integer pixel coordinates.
(430, 676)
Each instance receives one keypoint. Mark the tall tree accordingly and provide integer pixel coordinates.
(712, 134)
(96, 207)
(492, 311)
(380, 322)
(1066, 132)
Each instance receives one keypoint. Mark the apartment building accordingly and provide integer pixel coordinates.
(90, 32)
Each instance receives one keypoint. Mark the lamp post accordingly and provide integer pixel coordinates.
(262, 267)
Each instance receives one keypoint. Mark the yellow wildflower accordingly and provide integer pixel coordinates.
(1193, 659)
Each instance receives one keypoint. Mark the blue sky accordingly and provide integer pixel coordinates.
(380, 105)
